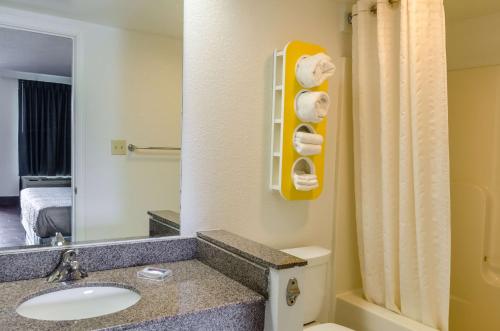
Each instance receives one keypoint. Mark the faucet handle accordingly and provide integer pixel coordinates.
(77, 271)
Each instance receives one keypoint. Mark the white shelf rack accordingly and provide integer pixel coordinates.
(277, 119)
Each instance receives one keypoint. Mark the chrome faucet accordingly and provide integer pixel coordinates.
(68, 269)
(59, 240)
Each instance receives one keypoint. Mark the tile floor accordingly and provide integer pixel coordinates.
(11, 231)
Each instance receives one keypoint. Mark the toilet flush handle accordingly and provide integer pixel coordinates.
(292, 291)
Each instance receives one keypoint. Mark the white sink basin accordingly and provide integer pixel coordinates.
(78, 303)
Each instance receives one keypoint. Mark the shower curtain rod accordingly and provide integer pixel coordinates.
(373, 10)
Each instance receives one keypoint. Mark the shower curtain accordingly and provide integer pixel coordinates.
(401, 157)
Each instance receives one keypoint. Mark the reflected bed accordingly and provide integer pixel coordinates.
(45, 211)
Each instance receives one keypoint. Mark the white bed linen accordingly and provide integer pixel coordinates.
(35, 199)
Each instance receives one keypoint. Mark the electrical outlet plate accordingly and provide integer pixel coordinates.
(118, 147)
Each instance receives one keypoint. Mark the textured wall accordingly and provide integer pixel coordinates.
(226, 122)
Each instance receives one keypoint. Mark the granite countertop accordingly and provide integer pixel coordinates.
(168, 216)
(251, 250)
(194, 288)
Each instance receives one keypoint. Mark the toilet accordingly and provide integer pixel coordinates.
(313, 287)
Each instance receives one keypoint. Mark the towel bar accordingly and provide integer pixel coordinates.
(132, 148)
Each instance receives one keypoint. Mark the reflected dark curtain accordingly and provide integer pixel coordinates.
(44, 128)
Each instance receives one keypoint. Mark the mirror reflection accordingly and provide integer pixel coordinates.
(90, 121)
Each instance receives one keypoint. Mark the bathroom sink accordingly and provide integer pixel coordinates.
(78, 303)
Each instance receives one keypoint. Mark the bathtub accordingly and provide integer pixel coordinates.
(354, 312)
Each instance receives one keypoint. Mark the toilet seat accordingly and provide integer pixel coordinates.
(328, 327)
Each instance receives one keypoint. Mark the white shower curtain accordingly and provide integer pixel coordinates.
(401, 157)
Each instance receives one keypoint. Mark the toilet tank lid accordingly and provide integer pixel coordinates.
(314, 255)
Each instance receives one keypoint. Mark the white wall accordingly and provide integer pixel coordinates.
(9, 178)
(473, 47)
(474, 117)
(228, 65)
(227, 107)
(346, 269)
(473, 42)
(127, 87)
(131, 90)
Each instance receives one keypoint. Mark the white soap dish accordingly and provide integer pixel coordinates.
(154, 273)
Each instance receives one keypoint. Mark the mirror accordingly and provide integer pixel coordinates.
(90, 109)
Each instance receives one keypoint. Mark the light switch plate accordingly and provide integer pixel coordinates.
(118, 147)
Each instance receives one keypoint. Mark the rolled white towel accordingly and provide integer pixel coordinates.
(310, 182)
(308, 138)
(312, 106)
(313, 70)
(305, 182)
(304, 175)
(305, 179)
(305, 188)
(307, 149)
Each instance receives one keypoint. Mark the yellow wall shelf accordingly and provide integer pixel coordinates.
(285, 123)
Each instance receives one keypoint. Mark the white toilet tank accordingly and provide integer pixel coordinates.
(313, 287)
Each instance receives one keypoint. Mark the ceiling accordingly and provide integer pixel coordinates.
(35, 52)
(163, 17)
(462, 9)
